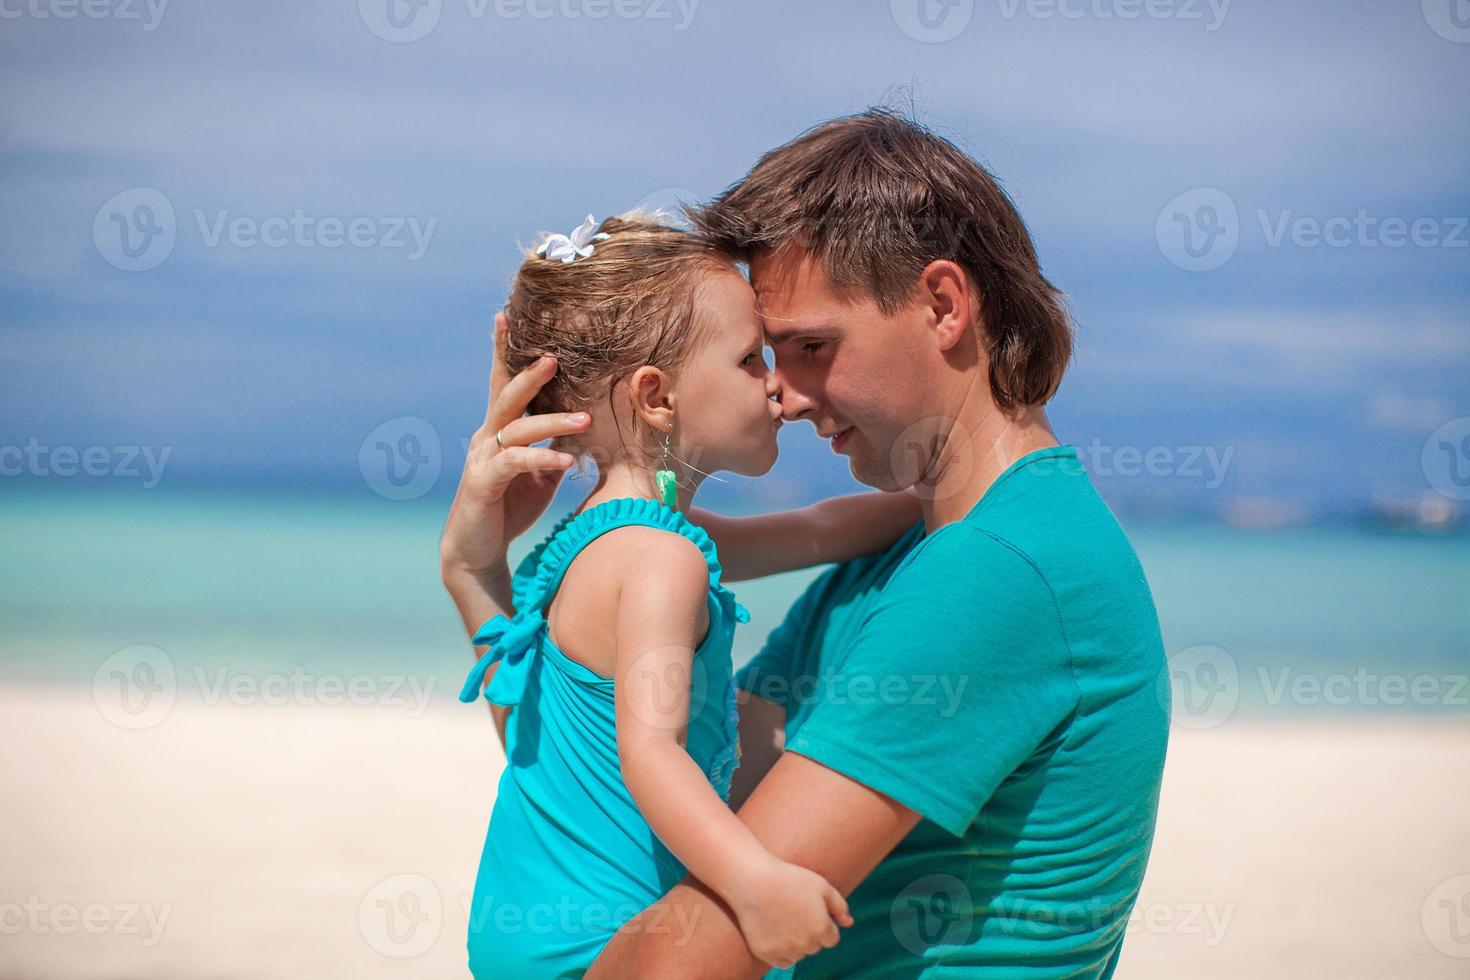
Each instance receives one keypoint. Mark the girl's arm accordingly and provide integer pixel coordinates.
(832, 530)
(785, 911)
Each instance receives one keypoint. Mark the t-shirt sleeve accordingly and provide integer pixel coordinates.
(959, 673)
(769, 673)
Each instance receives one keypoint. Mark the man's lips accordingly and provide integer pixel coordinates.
(839, 439)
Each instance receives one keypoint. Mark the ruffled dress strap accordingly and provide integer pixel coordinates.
(515, 641)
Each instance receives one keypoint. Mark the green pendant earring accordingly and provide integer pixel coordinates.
(668, 485)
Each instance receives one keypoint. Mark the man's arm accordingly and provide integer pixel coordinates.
(762, 737)
(478, 598)
(831, 530)
(802, 812)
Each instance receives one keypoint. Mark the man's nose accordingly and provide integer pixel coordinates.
(795, 404)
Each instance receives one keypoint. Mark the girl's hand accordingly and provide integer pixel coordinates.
(787, 912)
(505, 487)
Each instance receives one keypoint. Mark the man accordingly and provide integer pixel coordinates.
(963, 734)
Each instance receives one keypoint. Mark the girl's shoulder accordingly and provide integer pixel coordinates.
(640, 556)
(628, 535)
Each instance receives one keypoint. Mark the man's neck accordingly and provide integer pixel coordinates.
(977, 449)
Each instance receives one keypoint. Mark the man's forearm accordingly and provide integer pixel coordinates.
(801, 812)
(670, 926)
(479, 598)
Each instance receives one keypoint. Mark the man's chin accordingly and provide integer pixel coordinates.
(877, 477)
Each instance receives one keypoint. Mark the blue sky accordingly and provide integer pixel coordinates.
(1316, 370)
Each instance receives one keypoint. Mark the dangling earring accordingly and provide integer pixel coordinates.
(668, 484)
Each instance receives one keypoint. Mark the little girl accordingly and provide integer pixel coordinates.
(615, 661)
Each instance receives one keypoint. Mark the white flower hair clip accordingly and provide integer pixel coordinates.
(570, 248)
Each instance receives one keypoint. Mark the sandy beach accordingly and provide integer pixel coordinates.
(296, 840)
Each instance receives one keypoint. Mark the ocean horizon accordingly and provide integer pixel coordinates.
(250, 596)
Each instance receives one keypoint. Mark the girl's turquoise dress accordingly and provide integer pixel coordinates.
(568, 858)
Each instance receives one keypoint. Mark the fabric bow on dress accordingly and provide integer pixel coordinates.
(513, 643)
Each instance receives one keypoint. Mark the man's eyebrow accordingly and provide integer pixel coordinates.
(779, 331)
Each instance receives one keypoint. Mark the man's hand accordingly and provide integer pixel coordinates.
(505, 486)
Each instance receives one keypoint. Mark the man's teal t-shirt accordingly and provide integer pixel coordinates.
(1000, 677)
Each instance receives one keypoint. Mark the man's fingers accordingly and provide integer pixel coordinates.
(499, 373)
(510, 402)
(531, 429)
(524, 459)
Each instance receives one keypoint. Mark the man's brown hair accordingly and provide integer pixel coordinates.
(875, 198)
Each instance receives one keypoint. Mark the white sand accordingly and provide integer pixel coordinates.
(274, 841)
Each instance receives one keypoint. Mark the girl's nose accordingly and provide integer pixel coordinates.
(773, 385)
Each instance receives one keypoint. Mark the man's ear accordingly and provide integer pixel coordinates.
(951, 301)
(651, 391)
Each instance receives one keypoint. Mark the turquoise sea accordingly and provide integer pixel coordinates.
(1306, 621)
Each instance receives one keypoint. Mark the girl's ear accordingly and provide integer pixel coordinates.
(651, 391)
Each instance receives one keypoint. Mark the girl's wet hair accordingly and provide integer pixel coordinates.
(603, 316)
